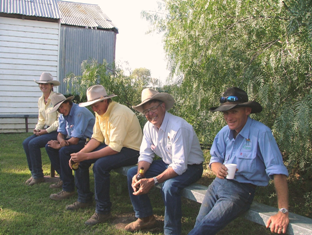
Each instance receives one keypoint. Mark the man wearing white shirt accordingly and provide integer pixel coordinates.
(175, 142)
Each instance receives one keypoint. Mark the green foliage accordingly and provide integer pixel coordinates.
(127, 88)
(263, 47)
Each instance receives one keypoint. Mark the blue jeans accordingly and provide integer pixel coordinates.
(59, 159)
(32, 146)
(101, 170)
(171, 192)
(224, 201)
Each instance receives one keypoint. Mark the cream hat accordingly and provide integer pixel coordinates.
(149, 94)
(47, 78)
(95, 94)
(57, 99)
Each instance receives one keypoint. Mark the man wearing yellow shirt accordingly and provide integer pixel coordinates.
(115, 142)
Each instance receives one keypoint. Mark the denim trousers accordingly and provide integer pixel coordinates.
(59, 159)
(32, 146)
(171, 193)
(101, 171)
(224, 201)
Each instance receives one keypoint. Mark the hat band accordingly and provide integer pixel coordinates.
(101, 97)
(59, 102)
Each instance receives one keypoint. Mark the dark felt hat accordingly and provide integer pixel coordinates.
(240, 99)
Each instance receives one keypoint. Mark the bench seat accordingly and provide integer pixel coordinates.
(258, 213)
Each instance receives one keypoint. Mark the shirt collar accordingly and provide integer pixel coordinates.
(71, 112)
(108, 111)
(244, 132)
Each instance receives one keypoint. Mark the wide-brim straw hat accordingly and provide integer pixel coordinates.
(57, 99)
(47, 78)
(95, 94)
(149, 94)
(242, 102)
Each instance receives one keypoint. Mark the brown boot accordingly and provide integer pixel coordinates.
(36, 181)
(139, 224)
(29, 180)
(98, 218)
(78, 205)
(59, 184)
(61, 195)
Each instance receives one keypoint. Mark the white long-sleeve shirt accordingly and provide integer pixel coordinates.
(175, 142)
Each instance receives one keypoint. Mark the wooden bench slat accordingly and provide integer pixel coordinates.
(258, 213)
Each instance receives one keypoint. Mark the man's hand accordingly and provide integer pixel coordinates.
(40, 132)
(144, 184)
(278, 222)
(54, 144)
(221, 171)
(64, 142)
(79, 157)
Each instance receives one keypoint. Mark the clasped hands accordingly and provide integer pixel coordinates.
(39, 132)
(56, 144)
(144, 185)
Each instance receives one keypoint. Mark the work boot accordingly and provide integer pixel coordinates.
(98, 218)
(36, 181)
(139, 224)
(78, 205)
(61, 195)
(59, 184)
(29, 180)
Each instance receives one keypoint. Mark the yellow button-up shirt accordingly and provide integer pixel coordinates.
(44, 117)
(118, 127)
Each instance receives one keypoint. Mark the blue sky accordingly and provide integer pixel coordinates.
(133, 44)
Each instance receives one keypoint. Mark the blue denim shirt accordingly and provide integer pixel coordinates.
(78, 123)
(254, 150)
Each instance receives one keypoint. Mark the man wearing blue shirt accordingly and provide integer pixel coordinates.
(75, 126)
(251, 145)
(176, 143)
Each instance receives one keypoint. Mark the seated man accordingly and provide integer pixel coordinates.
(119, 128)
(75, 126)
(251, 145)
(175, 142)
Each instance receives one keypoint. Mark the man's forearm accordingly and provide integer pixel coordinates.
(281, 187)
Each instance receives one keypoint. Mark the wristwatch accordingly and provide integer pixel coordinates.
(283, 210)
(155, 180)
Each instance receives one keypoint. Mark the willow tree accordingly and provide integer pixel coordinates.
(263, 47)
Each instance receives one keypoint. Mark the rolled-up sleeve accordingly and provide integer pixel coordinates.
(217, 150)
(271, 155)
(146, 152)
(97, 133)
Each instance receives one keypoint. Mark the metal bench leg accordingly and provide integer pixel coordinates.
(52, 172)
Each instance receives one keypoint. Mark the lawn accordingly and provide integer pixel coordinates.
(29, 210)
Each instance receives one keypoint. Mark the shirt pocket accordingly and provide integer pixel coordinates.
(169, 148)
(246, 163)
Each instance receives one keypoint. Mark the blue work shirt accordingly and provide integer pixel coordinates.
(78, 123)
(254, 150)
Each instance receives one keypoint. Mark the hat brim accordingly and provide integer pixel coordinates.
(165, 97)
(54, 82)
(255, 106)
(56, 107)
(88, 103)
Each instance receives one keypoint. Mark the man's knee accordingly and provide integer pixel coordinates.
(131, 172)
(170, 188)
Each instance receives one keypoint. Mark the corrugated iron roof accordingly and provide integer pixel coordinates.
(39, 8)
(85, 15)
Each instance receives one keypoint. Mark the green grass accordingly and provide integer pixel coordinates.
(29, 210)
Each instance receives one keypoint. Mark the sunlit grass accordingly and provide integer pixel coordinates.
(29, 210)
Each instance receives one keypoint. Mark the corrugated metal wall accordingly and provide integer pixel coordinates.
(79, 44)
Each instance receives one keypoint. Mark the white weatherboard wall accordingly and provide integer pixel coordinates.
(27, 48)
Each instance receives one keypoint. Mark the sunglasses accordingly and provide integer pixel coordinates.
(231, 98)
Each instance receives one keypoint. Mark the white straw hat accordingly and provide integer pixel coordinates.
(150, 94)
(95, 94)
(57, 99)
(47, 78)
